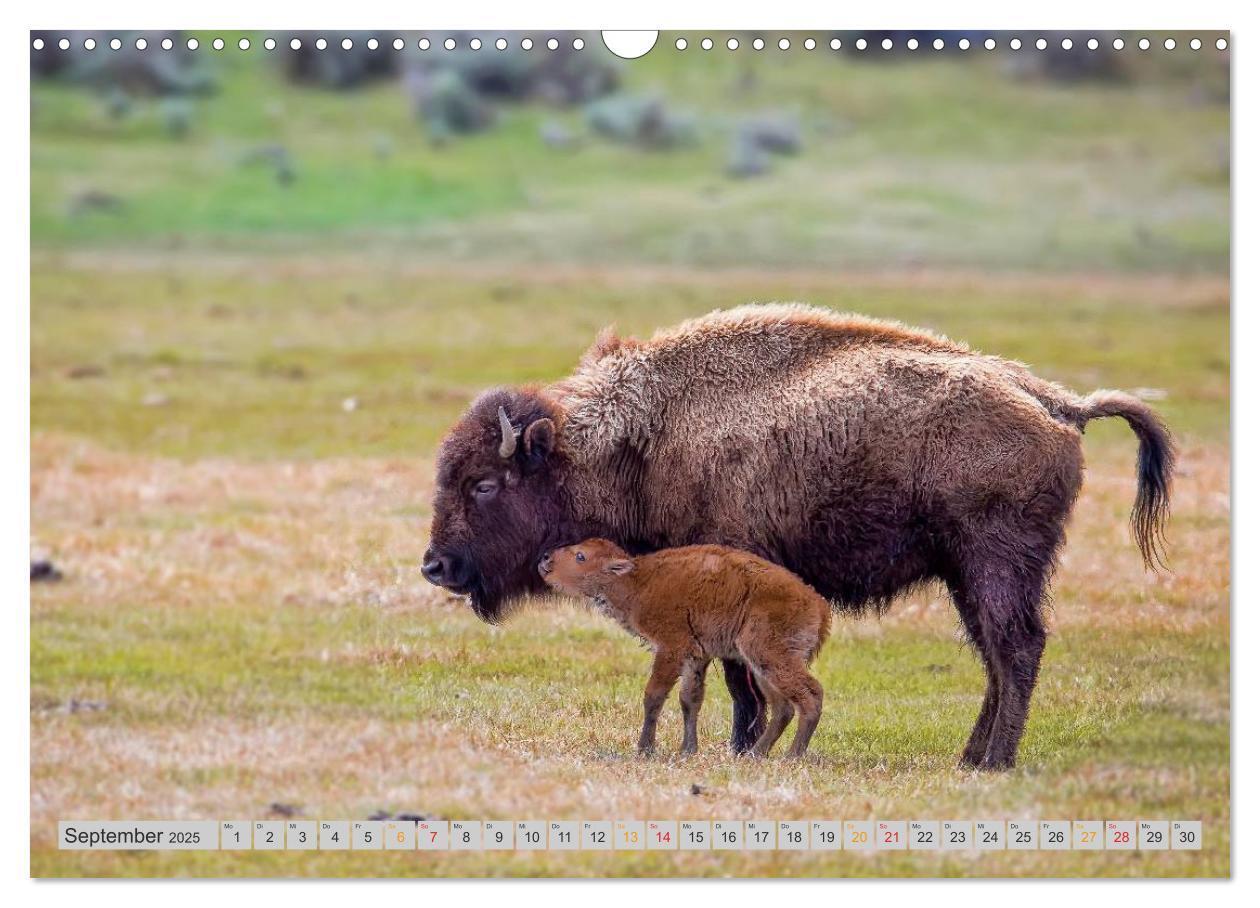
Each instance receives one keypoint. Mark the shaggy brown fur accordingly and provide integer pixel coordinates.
(862, 455)
(704, 602)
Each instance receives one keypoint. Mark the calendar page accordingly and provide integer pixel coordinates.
(667, 454)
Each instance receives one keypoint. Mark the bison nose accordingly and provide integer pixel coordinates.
(436, 569)
(544, 566)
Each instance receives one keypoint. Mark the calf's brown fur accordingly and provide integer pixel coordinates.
(864, 456)
(699, 603)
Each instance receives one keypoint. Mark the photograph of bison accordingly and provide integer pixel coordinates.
(865, 456)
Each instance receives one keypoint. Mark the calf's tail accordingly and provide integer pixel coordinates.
(1156, 456)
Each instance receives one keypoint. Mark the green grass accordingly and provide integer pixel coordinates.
(939, 161)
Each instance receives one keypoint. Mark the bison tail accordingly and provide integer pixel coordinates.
(1156, 455)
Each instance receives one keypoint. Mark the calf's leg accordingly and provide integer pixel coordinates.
(780, 716)
(666, 667)
(691, 698)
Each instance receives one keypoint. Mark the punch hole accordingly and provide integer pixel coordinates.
(784, 44)
(373, 44)
(810, 43)
(167, 44)
(1144, 44)
(193, 44)
(758, 44)
(115, 44)
(938, 44)
(630, 45)
(860, 44)
(681, 44)
(218, 44)
(913, 44)
(1195, 44)
(38, 44)
(270, 44)
(964, 44)
(399, 44)
(1170, 44)
(449, 43)
(424, 44)
(501, 44)
(141, 44)
(89, 44)
(1092, 44)
(527, 43)
(1016, 44)
(1066, 44)
(707, 44)
(886, 44)
(295, 44)
(475, 44)
(578, 44)
(732, 44)
(1221, 44)
(346, 44)
(990, 44)
(836, 44)
(320, 44)
(1041, 44)
(243, 44)
(1118, 44)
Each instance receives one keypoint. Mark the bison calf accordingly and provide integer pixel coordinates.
(704, 602)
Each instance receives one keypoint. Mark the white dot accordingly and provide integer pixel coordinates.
(758, 44)
(963, 44)
(1092, 44)
(1041, 44)
(707, 44)
(552, 44)
(192, 44)
(64, 43)
(270, 44)
(578, 44)
(346, 44)
(141, 44)
(501, 44)
(1118, 44)
(938, 44)
(527, 43)
(398, 44)
(732, 44)
(681, 44)
(218, 44)
(1169, 44)
(89, 43)
(886, 44)
(989, 44)
(449, 43)
(1144, 44)
(913, 44)
(1195, 43)
(243, 44)
(1066, 44)
(1016, 44)
(373, 44)
(423, 44)
(320, 43)
(810, 43)
(475, 44)
(115, 44)
(167, 44)
(784, 44)
(38, 43)
(835, 44)
(860, 44)
(1221, 44)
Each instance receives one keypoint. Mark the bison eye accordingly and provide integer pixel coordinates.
(579, 557)
(485, 489)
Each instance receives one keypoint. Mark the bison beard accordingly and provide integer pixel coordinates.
(864, 456)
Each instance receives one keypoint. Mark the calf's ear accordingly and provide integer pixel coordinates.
(540, 441)
(619, 566)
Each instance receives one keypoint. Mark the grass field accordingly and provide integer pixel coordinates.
(235, 404)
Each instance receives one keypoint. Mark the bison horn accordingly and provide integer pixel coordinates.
(507, 447)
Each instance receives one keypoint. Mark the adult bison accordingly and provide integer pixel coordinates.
(863, 455)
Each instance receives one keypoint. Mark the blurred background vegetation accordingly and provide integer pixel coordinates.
(1023, 159)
